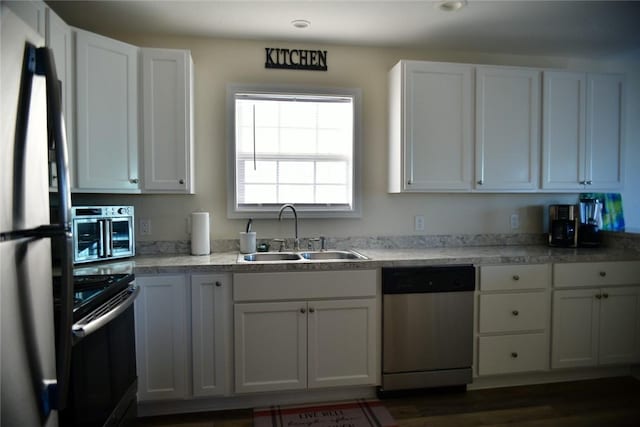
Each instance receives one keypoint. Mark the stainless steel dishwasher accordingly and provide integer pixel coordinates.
(427, 326)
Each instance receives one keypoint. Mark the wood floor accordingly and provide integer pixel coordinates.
(603, 402)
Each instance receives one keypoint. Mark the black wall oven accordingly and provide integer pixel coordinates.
(103, 380)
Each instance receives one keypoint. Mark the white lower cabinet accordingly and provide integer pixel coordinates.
(594, 327)
(324, 340)
(161, 337)
(513, 319)
(181, 335)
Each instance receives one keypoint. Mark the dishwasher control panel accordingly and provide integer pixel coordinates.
(446, 278)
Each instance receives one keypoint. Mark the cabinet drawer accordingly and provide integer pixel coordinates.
(514, 312)
(581, 274)
(513, 353)
(514, 277)
(304, 285)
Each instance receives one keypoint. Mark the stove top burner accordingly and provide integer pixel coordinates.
(91, 291)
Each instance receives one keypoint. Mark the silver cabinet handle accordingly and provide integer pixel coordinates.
(516, 277)
(181, 181)
(409, 182)
(603, 273)
(589, 182)
(514, 355)
(134, 181)
(480, 182)
(605, 295)
(312, 310)
(599, 296)
(515, 312)
(303, 311)
(218, 284)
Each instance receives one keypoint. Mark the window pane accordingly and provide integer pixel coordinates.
(298, 114)
(296, 194)
(334, 141)
(265, 172)
(254, 193)
(296, 172)
(297, 141)
(332, 194)
(331, 172)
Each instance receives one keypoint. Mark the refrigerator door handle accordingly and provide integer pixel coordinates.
(45, 65)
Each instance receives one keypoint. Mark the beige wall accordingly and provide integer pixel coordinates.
(218, 62)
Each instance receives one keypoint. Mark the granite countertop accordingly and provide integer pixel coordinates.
(477, 255)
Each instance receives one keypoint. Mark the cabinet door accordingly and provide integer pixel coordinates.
(167, 113)
(507, 123)
(342, 343)
(437, 126)
(604, 132)
(107, 114)
(619, 310)
(563, 131)
(270, 346)
(161, 337)
(59, 40)
(210, 299)
(575, 328)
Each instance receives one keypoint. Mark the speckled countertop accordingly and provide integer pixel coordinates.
(477, 255)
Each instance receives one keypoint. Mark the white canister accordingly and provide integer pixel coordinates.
(200, 243)
(247, 242)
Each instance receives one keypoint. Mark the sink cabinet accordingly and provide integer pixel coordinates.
(305, 330)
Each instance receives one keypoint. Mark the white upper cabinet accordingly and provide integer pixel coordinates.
(507, 129)
(107, 114)
(58, 39)
(167, 77)
(431, 127)
(604, 138)
(582, 131)
(563, 130)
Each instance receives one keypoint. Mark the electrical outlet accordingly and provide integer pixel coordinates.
(515, 221)
(418, 223)
(145, 227)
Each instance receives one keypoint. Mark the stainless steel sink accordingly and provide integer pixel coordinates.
(331, 255)
(272, 256)
(301, 256)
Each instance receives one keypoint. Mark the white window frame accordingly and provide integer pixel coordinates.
(305, 211)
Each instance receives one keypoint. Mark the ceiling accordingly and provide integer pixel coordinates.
(575, 28)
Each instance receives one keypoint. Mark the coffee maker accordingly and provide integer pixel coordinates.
(563, 225)
(589, 234)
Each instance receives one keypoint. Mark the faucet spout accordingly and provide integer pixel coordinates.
(295, 217)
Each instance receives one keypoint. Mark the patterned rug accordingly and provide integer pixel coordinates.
(357, 413)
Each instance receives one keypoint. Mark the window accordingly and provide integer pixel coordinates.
(295, 146)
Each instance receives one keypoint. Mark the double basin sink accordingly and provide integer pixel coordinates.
(302, 256)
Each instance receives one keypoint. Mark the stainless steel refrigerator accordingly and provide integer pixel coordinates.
(35, 363)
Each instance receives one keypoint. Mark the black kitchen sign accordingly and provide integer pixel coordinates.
(296, 59)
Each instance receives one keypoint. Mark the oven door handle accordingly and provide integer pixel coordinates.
(82, 330)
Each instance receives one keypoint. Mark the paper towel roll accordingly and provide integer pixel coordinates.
(200, 233)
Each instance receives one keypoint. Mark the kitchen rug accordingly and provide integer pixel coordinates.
(356, 413)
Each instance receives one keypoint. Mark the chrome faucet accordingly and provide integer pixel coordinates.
(296, 242)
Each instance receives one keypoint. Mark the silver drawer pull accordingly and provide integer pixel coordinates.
(218, 284)
(303, 311)
(599, 296)
(514, 355)
(515, 312)
(603, 273)
(181, 181)
(605, 295)
(516, 277)
(312, 310)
